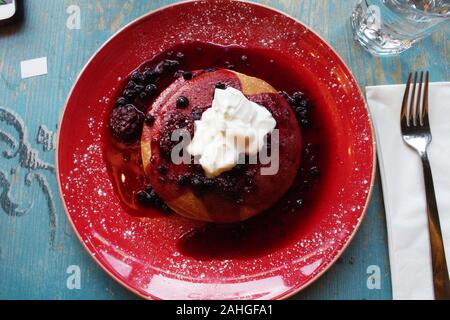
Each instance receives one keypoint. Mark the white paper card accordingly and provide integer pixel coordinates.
(33, 67)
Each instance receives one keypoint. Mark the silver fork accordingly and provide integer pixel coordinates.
(417, 134)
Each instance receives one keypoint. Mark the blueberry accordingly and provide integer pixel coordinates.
(212, 69)
(152, 194)
(220, 85)
(208, 183)
(161, 179)
(136, 76)
(288, 98)
(129, 94)
(314, 171)
(178, 74)
(298, 96)
(149, 75)
(159, 69)
(284, 94)
(149, 188)
(229, 65)
(196, 182)
(170, 64)
(143, 198)
(179, 55)
(130, 85)
(150, 89)
(305, 123)
(182, 102)
(184, 180)
(187, 75)
(121, 101)
(139, 88)
(149, 120)
(303, 103)
(302, 112)
(162, 169)
(196, 113)
(143, 95)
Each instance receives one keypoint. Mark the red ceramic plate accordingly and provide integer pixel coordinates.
(144, 254)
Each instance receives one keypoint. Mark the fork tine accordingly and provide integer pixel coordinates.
(404, 113)
(425, 100)
(418, 119)
(411, 120)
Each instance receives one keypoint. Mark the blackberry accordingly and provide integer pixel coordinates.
(126, 123)
(182, 102)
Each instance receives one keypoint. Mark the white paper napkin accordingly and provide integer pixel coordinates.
(403, 187)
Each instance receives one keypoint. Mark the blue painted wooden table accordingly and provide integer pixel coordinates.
(39, 252)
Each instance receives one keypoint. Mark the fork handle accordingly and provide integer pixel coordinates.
(440, 272)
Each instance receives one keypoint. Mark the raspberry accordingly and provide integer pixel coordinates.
(126, 123)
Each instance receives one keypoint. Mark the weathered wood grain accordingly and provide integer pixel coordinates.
(31, 266)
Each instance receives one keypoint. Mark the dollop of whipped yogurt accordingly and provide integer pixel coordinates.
(232, 126)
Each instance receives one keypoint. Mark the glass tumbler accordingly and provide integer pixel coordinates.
(387, 27)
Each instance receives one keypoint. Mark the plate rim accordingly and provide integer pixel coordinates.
(293, 290)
